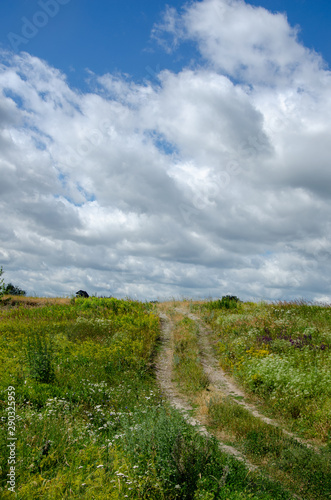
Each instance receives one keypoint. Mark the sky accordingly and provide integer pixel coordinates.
(154, 150)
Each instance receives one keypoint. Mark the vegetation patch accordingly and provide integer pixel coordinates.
(296, 465)
(281, 353)
(187, 363)
(90, 420)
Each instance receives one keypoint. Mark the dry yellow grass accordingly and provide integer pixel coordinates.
(33, 301)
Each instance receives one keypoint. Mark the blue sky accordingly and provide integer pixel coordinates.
(155, 150)
(103, 36)
(115, 36)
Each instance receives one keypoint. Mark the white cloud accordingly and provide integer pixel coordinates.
(246, 42)
(215, 181)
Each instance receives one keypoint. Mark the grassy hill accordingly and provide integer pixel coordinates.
(91, 422)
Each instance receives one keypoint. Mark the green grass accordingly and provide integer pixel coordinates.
(296, 465)
(281, 353)
(188, 370)
(91, 422)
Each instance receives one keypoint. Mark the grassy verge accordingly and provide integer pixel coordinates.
(298, 467)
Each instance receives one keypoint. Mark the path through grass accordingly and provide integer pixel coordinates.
(91, 421)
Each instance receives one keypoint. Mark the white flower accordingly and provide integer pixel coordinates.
(99, 466)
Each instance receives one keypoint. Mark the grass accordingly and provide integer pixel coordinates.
(281, 354)
(297, 466)
(300, 468)
(91, 422)
(187, 367)
(77, 368)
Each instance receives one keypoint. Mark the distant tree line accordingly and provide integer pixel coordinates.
(9, 289)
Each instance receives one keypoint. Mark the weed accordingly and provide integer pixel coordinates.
(40, 358)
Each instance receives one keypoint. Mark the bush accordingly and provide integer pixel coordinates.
(226, 302)
(10, 289)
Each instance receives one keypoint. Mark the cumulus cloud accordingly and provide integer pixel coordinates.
(214, 181)
(246, 42)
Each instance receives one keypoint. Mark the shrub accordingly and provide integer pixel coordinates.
(10, 289)
(226, 302)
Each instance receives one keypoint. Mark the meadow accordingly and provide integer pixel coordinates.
(280, 354)
(91, 421)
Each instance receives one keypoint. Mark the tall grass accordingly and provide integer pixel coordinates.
(188, 370)
(281, 353)
(298, 466)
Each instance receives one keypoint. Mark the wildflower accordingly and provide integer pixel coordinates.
(99, 466)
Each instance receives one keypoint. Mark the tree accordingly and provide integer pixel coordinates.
(10, 289)
(2, 284)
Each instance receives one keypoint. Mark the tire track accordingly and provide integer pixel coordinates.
(164, 378)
